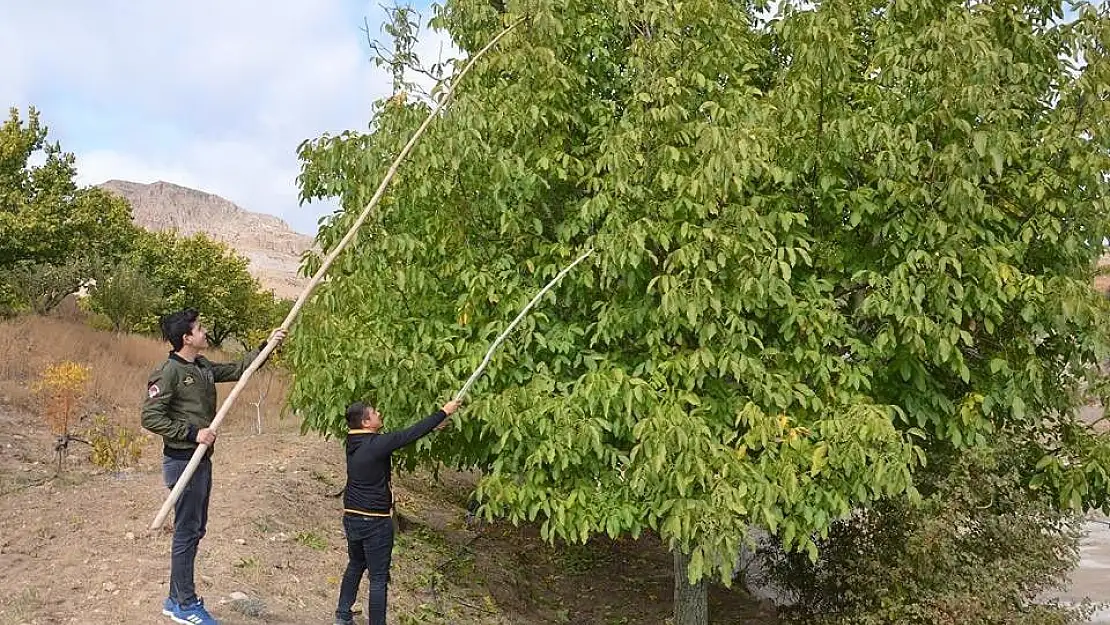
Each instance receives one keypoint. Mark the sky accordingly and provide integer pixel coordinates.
(210, 94)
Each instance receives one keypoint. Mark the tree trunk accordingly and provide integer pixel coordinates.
(217, 336)
(691, 603)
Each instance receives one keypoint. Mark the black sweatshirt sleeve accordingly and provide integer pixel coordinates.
(396, 440)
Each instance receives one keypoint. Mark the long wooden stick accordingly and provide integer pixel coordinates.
(191, 468)
(489, 353)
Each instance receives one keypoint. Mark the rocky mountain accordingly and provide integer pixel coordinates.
(272, 247)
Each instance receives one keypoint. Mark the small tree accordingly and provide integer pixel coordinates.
(62, 388)
(112, 446)
(269, 312)
(264, 382)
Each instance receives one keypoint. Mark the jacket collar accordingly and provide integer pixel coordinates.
(196, 361)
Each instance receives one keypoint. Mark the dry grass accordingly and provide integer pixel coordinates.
(120, 363)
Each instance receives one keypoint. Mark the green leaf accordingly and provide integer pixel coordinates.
(1045, 461)
(997, 159)
(819, 459)
(979, 140)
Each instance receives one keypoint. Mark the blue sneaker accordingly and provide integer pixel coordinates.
(169, 606)
(193, 614)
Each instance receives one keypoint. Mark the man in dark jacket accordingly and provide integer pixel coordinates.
(368, 503)
(180, 405)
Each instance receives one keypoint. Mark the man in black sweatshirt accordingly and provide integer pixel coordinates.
(368, 503)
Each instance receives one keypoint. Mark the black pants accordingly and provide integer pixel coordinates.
(190, 520)
(369, 548)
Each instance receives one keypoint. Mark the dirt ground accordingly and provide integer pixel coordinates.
(74, 545)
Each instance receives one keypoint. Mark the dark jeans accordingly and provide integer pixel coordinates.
(190, 519)
(369, 547)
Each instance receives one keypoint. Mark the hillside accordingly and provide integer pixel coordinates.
(273, 248)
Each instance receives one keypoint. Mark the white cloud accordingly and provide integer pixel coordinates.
(211, 94)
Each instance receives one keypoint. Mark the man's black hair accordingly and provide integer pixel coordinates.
(356, 412)
(176, 325)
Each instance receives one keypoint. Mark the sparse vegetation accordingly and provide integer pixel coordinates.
(113, 447)
(265, 524)
(251, 606)
(311, 539)
(23, 606)
(250, 563)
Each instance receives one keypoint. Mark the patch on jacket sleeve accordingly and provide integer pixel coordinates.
(153, 390)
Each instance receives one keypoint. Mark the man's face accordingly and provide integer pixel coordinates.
(197, 338)
(373, 419)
